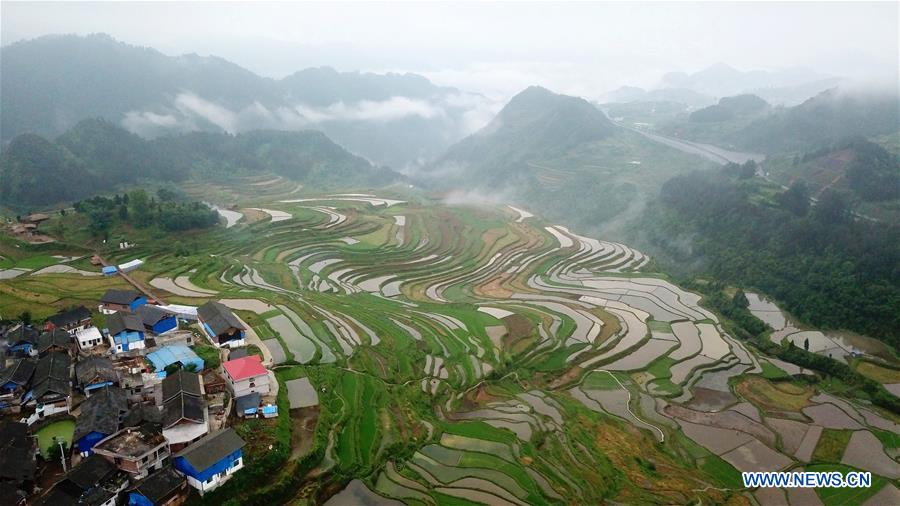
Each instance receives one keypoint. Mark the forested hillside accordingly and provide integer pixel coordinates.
(742, 123)
(97, 156)
(829, 268)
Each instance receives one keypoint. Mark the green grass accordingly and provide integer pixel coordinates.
(600, 381)
(888, 439)
(769, 371)
(37, 262)
(209, 354)
(721, 471)
(831, 445)
(845, 496)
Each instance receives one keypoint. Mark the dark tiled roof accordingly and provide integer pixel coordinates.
(181, 381)
(69, 317)
(183, 407)
(19, 371)
(17, 459)
(212, 448)
(22, 334)
(123, 297)
(53, 374)
(246, 402)
(102, 412)
(237, 353)
(159, 485)
(91, 471)
(117, 322)
(56, 337)
(141, 414)
(92, 368)
(218, 317)
(151, 315)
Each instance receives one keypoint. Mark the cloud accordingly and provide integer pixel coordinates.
(190, 104)
(479, 198)
(367, 110)
(148, 123)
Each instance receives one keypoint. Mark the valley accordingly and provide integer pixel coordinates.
(431, 353)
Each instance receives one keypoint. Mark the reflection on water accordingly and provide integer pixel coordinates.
(836, 344)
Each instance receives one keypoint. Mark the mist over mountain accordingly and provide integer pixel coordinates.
(783, 87)
(99, 156)
(536, 123)
(52, 82)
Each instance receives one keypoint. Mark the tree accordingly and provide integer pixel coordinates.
(140, 208)
(795, 199)
(748, 170)
(740, 299)
(806, 344)
(98, 222)
(25, 316)
(832, 209)
(123, 212)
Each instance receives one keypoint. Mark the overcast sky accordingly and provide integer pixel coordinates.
(496, 48)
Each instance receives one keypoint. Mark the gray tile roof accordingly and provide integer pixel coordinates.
(117, 322)
(19, 371)
(218, 317)
(246, 402)
(53, 375)
(181, 381)
(151, 315)
(69, 317)
(91, 369)
(56, 337)
(212, 448)
(123, 297)
(160, 485)
(102, 412)
(183, 407)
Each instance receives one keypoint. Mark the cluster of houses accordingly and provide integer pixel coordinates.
(150, 416)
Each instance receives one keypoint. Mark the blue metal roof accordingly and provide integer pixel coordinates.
(168, 355)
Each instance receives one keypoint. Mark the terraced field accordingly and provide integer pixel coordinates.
(480, 355)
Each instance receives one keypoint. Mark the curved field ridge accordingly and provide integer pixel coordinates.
(483, 355)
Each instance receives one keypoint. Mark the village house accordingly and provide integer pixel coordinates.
(55, 340)
(246, 375)
(101, 414)
(88, 338)
(175, 355)
(71, 320)
(93, 373)
(121, 300)
(126, 332)
(165, 487)
(22, 341)
(247, 406)
(213, 383)
(156, 319)
(18, 462)
(221, 325)
(93, 481)
(136, 450)
(14, 381)
(141, 385)
(52, 385)
(185, 414)
(211, 461)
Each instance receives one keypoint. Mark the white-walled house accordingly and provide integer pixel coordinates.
(88, 338)
(246, 375)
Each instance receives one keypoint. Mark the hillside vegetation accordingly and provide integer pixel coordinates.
(828, 268)
(97, 156)
(53, 82)
(831, 117)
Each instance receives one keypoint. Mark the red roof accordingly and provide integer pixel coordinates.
(245, 367)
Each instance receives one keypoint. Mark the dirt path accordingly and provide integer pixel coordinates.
(135, 283)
